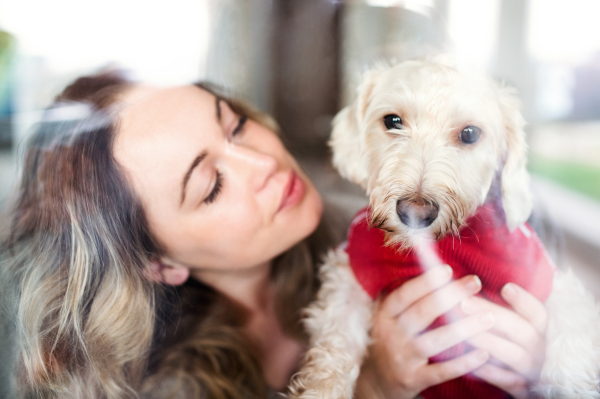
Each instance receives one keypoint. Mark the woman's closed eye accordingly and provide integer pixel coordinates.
(240, 126)
(216, 190)
(232, 121)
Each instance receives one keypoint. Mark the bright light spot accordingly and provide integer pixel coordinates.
(473, 27)
(419, 6)
(161, 42)
(383, 3)
(554, 98)
(564, 31)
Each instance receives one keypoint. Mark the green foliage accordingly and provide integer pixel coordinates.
(577, 176)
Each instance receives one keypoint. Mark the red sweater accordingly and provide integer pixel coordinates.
(485, 248)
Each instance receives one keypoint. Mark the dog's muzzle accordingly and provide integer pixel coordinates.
(417, 213)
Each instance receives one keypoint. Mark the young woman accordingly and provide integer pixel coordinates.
(164, 245)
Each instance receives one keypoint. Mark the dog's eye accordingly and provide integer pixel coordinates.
(392, 121)
(470, 134)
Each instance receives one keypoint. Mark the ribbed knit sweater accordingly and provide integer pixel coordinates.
(485, 247)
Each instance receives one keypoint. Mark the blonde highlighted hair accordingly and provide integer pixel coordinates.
(89, 323)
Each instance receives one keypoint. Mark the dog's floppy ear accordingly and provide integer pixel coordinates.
(348, 134)
(516, 197)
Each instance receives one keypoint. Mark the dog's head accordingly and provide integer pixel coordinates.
(427, 143)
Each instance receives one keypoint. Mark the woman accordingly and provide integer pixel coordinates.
(165, 244)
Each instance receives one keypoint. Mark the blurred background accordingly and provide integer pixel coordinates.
(301, 60)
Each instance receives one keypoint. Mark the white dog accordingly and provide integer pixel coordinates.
(431, 145)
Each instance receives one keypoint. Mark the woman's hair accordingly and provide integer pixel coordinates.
(89, 323)
(77, 247)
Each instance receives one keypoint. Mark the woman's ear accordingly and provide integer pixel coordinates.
(160, 272)
(516, 196)
(347, 136)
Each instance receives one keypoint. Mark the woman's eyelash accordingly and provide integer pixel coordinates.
(240, 126)
(216, 189)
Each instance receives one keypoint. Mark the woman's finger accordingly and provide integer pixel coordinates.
(433, 342)
(424, 311)
(527, 306)
(509, 353)
(507, 380)
(414, 289)
(515, 327)
(436, 373)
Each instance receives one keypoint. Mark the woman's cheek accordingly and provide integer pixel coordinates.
(313, 207)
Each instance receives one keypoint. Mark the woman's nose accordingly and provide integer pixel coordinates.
(258, 165)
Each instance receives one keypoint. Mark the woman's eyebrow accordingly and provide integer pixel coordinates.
(186, 178)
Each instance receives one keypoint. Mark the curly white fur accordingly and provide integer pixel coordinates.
(338, 323)
(571, 367)
(425, 158)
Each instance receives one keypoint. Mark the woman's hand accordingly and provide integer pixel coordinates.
(401, 351)
(517, 345)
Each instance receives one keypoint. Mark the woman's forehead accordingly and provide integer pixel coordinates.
(141, 101)
(161, 129)
(147, 112)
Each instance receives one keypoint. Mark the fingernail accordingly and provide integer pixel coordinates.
(509, 291)
(468, 305)
(474, 284)
(486, 319)
(447, 271)
(482, 355)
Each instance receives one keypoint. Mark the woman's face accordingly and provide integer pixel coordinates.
(220, 191)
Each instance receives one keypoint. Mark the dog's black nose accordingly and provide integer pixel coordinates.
(416, 213)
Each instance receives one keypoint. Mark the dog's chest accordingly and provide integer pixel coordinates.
(485, 248)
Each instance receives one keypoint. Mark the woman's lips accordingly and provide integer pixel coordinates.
(293, 192)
